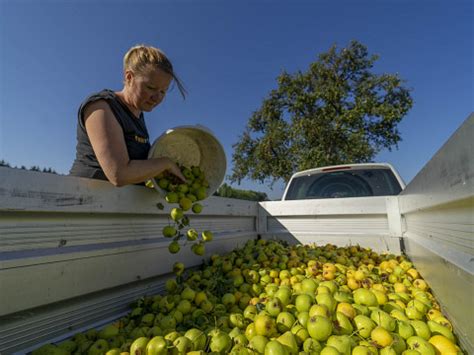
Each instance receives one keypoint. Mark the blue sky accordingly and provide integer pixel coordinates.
(229, 54)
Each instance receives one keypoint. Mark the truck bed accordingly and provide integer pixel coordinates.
(75, 252)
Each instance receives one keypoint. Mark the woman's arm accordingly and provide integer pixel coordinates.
(106, 137)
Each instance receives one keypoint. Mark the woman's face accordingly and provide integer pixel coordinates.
(147, 90)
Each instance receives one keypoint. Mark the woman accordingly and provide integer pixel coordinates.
(112, 138)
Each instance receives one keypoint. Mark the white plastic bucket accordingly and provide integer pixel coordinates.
(192, 146)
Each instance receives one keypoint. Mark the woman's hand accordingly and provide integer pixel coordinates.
(172, 168)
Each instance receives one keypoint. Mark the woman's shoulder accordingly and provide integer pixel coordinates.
(105, 94)
(96, 100)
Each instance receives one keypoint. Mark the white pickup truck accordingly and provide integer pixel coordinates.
(344, 181)
(74, 252)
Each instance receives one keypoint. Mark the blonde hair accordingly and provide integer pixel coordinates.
(140, 57)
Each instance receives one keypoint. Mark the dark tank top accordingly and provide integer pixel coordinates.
(134, 131)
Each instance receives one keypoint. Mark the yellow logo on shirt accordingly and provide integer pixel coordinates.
(141, 139)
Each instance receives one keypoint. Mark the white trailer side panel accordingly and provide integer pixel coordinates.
(438, 217)
(370, 222)
(75, 251)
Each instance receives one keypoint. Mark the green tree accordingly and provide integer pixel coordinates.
(338, 111)
(33, 168)
(227, 191)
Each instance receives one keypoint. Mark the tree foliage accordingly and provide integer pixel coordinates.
(336, 112)
(227, 191)
(33, 168)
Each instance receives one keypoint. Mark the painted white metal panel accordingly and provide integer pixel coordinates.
(64, 237)
(34, 231)
(447, 177)
(337, 206)
(22, 190)
(437, 210)
(370, 222)
(24, 331)
(452, 286)
(21, 330)
(37, 281)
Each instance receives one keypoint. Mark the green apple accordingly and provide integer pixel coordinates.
(438, 329)
(197, 207)
(388, 350)
(390, 306)
(312, 346)
(309, 286)
(344, 297)
(169, 231)
(300, 333)
(361, 309)
(258, 343)
(192, 234)
(274, 347)
(289, 341)
(421, 329)
(197, 337)
(404, 329)
(399, 315)
(220, 342)
(188, 294)
(381, 337)
(383, 319)
(176, 214)
(411, 352)
(421, 345)
(303, 302)
(264, 325)
(362, 350)
(207, 236)
(250, 312)
(174, 247)
(413, 313)
(168, 322)
(184, 306)
(198, 249)
(331, 285)
(183, 345)
(157, 346)
(50, 349)
(285, 321)
(398, 343)
(340, 342)
(329, 350)
(365, 297)
(364, 325)
(319, 310)
(68, 345)
(171, 336)
(228, 299)
(342, 325)
(303, 318)
(139, 345)
(319, 328)
(273, 307)
(240, 339)
(147, 320)
(237, 320)
(327, 300)
(284, 295)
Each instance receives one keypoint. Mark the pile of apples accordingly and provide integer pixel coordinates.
(275, 299)
(186, 196)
